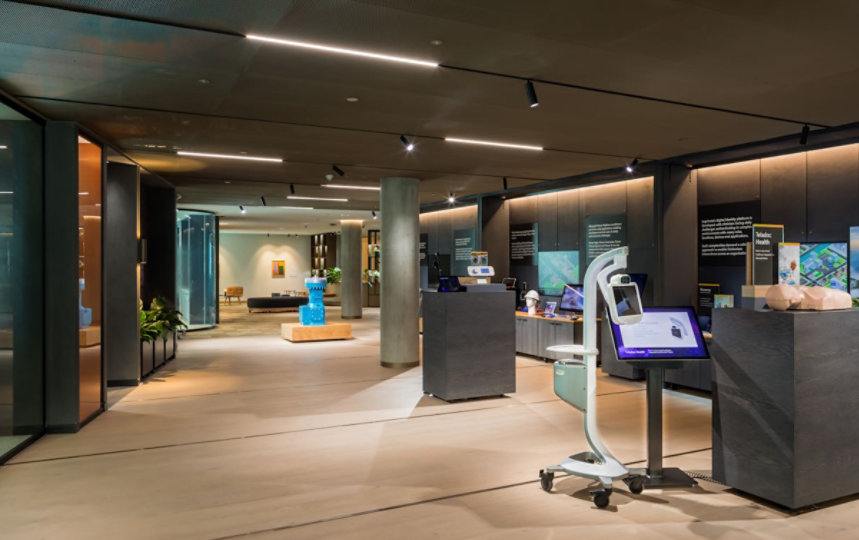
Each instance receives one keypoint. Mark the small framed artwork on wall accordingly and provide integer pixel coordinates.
(278, 269)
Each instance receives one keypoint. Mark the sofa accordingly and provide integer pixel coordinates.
(276, 303)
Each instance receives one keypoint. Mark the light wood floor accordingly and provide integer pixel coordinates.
(246, 434)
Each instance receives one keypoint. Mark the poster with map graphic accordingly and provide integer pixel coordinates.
(823, 265)
(854, 263)
(556, 269)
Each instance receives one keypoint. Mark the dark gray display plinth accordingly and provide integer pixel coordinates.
(785, 402)
(469, 347)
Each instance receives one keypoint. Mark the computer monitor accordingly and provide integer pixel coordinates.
(449, 284)
(663, 333)
(573, 298)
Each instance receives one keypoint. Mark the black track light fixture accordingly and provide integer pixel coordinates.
(631, 167)
(338, 170)
(241, 209)
(532, 94)
(451, 198)
(504, 180)
(803, 135)
(407, 144)
(292, 189)
(261, 198)
(373, 213)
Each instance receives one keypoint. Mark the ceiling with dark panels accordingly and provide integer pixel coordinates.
(136, 83)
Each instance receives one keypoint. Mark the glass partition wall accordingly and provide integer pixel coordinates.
(21, 281)
(89, 274)
(196, 288)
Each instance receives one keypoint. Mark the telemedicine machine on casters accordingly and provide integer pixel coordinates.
(575, 380)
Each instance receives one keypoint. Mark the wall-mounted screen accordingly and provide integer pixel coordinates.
(555, 269)
(663, 332)
(823, 265)
(854, 263)
(573, 298)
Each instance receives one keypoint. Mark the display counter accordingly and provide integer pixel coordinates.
(469, 346)
(535, 333)
(784, 403)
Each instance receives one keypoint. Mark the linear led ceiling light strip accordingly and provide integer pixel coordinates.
(346, 186)
(230, 156)
(341, 50)
(493, 143)
(300, 198)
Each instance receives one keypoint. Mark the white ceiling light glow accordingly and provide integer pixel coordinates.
(229, 156)
(3, 147)
(493, 143)
(299, 198)
(340, 50)
(346, 186)
(295, 207)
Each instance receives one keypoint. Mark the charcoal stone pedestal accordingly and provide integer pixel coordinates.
(785, 402)
(469, 344)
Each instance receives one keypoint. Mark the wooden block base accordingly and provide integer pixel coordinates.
(296, 333)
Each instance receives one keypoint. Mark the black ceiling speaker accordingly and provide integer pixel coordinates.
(532, 94)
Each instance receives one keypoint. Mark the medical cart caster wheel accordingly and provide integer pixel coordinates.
(601, 498)
(635, 484)
(546, 479)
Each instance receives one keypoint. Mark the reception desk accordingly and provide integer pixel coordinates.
(784, 403)
(469, 347)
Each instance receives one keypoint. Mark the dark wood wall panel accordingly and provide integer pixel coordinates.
(547, 216)
(783, 190)
(639, 213)
(833, 193)
(568, 219)
(678, 267)
(439, 227)
(523, 210)
(734, 182)
(604, 199)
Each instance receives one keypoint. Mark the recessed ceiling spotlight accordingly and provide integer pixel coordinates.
(341, 50)
(532, 94)
(493, 143)
(229, 156)
(406, 143)
(203, 81)
(227, 182)
(296, 197)
(631, 167)
(338, 170)
(352, 99)
(436, 42)
(348, 186)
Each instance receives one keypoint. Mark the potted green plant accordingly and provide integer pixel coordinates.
(334, 277)
(150, 330)
(158, 328)
(171, 323)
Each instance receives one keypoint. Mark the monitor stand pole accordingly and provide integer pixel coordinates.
(657, 475)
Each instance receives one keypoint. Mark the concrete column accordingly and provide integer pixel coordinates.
(350, 269)
(400, 274)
